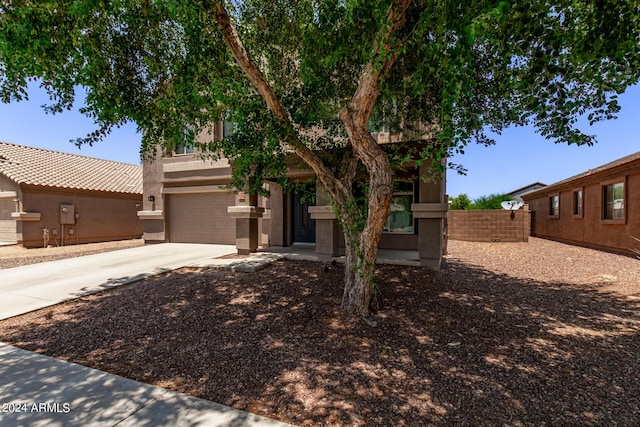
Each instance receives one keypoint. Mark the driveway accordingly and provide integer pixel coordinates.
(35, 286)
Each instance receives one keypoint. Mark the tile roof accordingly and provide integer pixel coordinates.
(41, 167)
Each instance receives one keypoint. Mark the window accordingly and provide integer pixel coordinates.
(613, 201)
(183, 149)
(400, 219)
(577, 203)
(554, 205)
(228, 129)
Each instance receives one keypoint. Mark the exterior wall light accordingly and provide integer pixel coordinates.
(151, 198)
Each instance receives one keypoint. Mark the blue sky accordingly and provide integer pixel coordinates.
(520, 156)
(25, 123)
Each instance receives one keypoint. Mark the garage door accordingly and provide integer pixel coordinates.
(201, 218)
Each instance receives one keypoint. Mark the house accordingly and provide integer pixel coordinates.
(599, 207)
(53, 198)
(185, 200)
(517, 194)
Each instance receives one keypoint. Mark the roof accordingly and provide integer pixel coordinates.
(531, 187)
(47, 168)
(621, 162)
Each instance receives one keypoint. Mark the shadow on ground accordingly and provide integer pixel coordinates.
(464, 346)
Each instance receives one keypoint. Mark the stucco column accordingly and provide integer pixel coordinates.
(277, 217)
(431, 213)
(327, 227)
(246, 212)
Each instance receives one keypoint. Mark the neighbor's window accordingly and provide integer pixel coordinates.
(613, 201)
(554, 205)
(400, 219)
(183, 149)
(577, 203)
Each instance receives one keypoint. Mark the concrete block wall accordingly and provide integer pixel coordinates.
(490, 225)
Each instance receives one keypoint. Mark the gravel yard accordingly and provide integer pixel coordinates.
(522, 334)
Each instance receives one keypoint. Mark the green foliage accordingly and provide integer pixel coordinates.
(492, 201)
(464, 66)
(460, 202)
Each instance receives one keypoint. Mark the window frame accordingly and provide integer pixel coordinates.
(396, 193)
(550, 198)
(577, 213)
(185, 148)
(603, 203)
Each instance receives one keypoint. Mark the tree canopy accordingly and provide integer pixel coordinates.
(284, 70)
(463, 65)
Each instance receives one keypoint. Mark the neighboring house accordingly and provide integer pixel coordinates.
(517, 194)
(185, 200)
(599, 208)
(66, 198)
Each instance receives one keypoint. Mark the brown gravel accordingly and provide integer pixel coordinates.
(525, 334)
(16, 256)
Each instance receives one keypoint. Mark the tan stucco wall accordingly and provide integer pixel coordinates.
(8, 226)
(102, 217)
(180, 171)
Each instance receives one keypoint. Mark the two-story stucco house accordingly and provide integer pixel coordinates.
(185, 201)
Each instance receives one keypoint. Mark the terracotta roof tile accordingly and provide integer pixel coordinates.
(38, 166)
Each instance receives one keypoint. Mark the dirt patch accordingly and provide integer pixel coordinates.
(470, 345)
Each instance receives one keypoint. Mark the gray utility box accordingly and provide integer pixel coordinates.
(67, 214)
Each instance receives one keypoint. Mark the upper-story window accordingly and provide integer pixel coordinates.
(613, 201)
(228, 128)
(183, 149)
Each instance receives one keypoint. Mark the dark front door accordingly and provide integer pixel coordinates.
(304, 228)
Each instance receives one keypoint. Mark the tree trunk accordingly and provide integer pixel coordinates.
(362, 247)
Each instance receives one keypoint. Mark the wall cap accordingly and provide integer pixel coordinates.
(151, 214)
(322, 212)
(245, 212)
(26, 216)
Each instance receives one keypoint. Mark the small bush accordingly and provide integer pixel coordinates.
(492, 201)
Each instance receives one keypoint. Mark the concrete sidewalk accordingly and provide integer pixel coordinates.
(36, 390)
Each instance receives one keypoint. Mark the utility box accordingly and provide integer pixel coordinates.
(67, 214)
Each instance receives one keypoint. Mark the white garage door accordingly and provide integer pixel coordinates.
(201, 218)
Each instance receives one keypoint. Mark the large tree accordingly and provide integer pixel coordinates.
(315, 78)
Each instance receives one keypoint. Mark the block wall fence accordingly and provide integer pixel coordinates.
(490, 225)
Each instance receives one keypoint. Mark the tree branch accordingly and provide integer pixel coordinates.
(366, 95)
(232, 39)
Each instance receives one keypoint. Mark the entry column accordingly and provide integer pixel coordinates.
(431, 213)
(246, 212)
(327, 227)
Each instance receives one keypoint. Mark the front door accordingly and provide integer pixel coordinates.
(304, 228)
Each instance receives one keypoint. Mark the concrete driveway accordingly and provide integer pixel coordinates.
(35, 286)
